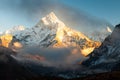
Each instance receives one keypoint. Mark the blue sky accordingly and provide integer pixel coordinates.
(29, 12)
(105, 9)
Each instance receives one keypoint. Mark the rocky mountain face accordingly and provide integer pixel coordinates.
(107, 56)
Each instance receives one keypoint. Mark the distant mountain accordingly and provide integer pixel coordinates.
(107, 56)
(101, 34)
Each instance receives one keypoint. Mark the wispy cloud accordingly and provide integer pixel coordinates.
(30, 11)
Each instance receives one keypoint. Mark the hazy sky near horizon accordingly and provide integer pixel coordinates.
(29, 12)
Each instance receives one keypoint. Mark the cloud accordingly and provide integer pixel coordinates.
(55, 57)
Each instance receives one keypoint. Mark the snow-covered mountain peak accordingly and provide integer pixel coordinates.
(109, 29)
(50, 21)
(51, 17)
(14, 30)
(52, 32)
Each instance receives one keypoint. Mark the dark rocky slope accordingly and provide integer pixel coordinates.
(107, 56)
